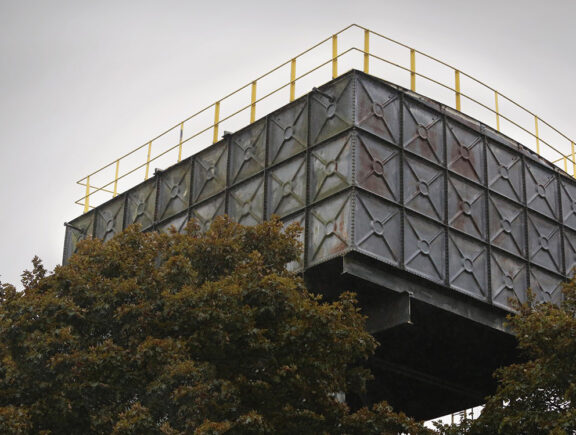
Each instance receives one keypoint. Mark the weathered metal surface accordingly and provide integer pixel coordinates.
(79, 229)
(141, 204)
(378, 167)
(174, 190)
(205, 213)
(424, 189)
(175, 223)
(248, 152)
(109, 219)
(378, 226)
(331, 109)
(329, 228)
(288, 131)
(287, 187)
(330, 167)
(370, 167)
(377, 110)
(210, 167)
(468, 265)
(246, 202)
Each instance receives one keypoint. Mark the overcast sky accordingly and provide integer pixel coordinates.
(82, 82)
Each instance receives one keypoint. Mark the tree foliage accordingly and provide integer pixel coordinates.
(536, 396)
(183, 333)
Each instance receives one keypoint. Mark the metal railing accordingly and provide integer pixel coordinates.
(363, 52)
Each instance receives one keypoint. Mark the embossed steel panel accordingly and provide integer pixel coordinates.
(545, 243)
(174, 190)
(468, 265)
(109, 219)
(504, 171)
(424, 247)
(465, 150)
(331, 167)
(466, 207)
(248, 151)
(541, 190)
(508, 277)
(287, 187)
(298, 218)
(424, 188)
(507, 226)
(205, 213)
(570, 252)
(141, 204)
(378, 109)
(423, 132)
(79, 229)
(377, 167)
(547, 287)
(378, 227)
(210, 171)
(456, 202)
(246, 202)
(177, 223)
(568, 195)
(331, 109)
(288, 131)
(329, 228)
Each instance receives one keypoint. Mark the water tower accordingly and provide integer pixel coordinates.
(429, 209)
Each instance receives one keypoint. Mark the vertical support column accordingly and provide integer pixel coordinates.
(292, 80)
(457, 88)
(180, 143)
(216, 120)
(537, 136)
(366, 51)
(87, 197)
(334, 56)
(116, 179)
(413, 69)
(253, 104)
(497, 111)
(148, 160)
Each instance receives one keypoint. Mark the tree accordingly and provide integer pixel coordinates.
(183, 333)
(537, 395)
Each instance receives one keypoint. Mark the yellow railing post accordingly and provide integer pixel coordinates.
(573, 160)
(565, 164)
(334, 56)
(87, 197)
(292, 80)
(180, 143)
(413, 69)
(216, 119)
(366, 51)
(497, 111)
(457, 83)
(253, 103)
(537, 137)
(148, 160)
(116, 178)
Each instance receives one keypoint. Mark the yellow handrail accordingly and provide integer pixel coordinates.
(111, 187)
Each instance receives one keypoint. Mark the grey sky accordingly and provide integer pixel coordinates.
(83, 82)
